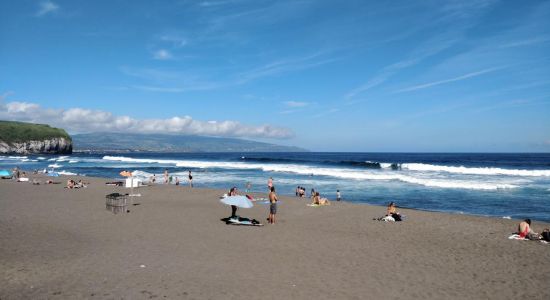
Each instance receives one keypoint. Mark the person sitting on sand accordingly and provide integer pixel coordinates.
(317, 200)
(524, 230)
(392, 211)
(70, 184)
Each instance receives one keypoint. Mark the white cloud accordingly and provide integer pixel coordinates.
(162, 54)
(296, 104)
(80, 120)
(47, 7)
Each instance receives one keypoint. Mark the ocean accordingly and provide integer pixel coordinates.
(495, 185)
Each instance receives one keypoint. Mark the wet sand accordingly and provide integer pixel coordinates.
(57, 243)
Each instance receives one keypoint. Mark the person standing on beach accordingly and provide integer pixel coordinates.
(165, 176)
(248, 186)
(269, 184)
(338, 196)
(177, 181)
(233, 192)
(272, 206)
(190, 179)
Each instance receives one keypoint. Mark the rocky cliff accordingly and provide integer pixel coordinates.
(52, 145)
(27, 138)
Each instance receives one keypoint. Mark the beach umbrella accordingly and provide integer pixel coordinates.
(239, 201)
(129, 174)
(126, 173)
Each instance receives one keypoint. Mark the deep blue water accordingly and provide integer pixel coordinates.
(499, 185)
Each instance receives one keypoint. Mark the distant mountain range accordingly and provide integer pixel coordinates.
(127, 142)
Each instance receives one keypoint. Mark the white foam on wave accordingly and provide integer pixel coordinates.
(507, 217)
(41, 158)
(385, 165)
(474, 171)
(63, 172)
(72, 161)
(353, 174)
(54, 166)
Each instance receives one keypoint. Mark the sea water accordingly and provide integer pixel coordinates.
(498, 185)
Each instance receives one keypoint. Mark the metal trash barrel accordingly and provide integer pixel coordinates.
(116, 202)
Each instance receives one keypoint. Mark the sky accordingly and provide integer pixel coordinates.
(358, 76)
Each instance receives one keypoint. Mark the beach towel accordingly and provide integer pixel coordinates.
(517, 237)
(22, 179)
(243, 221)
(317, 205)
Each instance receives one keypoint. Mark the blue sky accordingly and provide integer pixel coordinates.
(429, 76)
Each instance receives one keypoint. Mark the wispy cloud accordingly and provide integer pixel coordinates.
(158, 89)
(178, 81)
(47, 7)
(295, 104)
(177, 40)
(459, 78)
(434, 46)
(283, 66)
(526, 42)
(327, 112)
(512, 104)
(162, 54)
(87, 120)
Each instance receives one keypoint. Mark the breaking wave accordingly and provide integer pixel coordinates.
(352, 174)
(474, 171)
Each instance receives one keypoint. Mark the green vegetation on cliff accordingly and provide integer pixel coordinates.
(16, 132)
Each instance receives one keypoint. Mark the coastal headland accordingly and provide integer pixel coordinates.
(58, 243)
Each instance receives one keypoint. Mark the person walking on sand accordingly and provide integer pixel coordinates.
(269, 184)
(190, 179)
(272, 206)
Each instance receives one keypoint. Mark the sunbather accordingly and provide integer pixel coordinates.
(524, 230)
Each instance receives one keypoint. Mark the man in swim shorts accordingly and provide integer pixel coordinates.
(272, 206)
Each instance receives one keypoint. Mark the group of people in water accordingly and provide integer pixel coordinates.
(169, 179)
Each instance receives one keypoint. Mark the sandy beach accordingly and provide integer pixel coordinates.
(57, 243)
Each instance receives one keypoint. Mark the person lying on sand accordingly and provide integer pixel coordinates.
(81, 184)
(524, 230)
